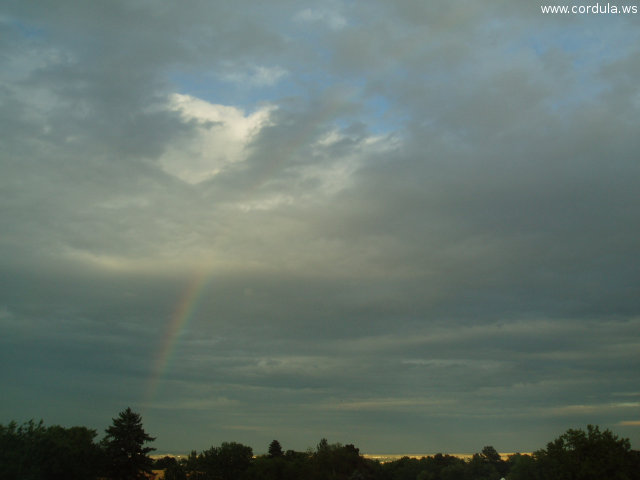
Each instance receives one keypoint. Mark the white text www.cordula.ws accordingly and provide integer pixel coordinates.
(597, 8)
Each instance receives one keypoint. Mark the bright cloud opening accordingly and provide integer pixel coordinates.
(222, 136)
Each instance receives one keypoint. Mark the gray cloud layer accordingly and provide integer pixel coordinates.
(419, 222)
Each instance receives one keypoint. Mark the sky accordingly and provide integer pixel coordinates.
(411, 226)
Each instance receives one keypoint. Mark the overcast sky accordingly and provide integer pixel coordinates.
(412, 226)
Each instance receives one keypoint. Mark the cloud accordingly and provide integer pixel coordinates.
(389, 404)
(331, 18)
(413, 219)
(222, 137)
(257, 76)
(630, 423)
(592, 409)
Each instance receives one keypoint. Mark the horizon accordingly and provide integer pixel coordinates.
(382, 458)
(387, 223)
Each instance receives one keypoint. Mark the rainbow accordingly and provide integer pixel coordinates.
(186, 307)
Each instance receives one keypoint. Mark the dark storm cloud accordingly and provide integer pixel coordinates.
(423, 227)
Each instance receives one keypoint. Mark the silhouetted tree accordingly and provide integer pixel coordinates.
(275, 449)
(71, 453)
(173, 469)
(33, 452)
(229, 461)
(491, 456)
(590, 455)
(456, 471)
(405, 468)
(338, 462)
(164, 462)
(323, 446)
(522, 467)
(480, 468)
(431, 467)
(175, 472)
(14, 450)
(192, 465)
(126, 456)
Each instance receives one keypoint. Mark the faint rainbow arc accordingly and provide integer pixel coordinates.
(183, 312)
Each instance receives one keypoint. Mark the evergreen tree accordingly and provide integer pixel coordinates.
(127, 457)
(275, 449)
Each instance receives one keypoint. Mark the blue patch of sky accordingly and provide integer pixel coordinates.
(377, 111)
(220, 87)
(25, 29)
(217, 89)
(593, 42)
(382, 117)
(589, 45)
(309, 72)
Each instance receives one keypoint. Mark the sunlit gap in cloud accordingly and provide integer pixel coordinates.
(323, 155)
(222, 136)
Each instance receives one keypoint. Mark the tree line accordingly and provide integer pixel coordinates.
(33, 451)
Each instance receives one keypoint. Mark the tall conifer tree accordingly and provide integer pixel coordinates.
(127, 457)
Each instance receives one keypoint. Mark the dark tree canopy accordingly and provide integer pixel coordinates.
(32, 451)
(491, 455)
(35, 452)
(275, 449)
(226, 462)
(590, 455)
(127, 457)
